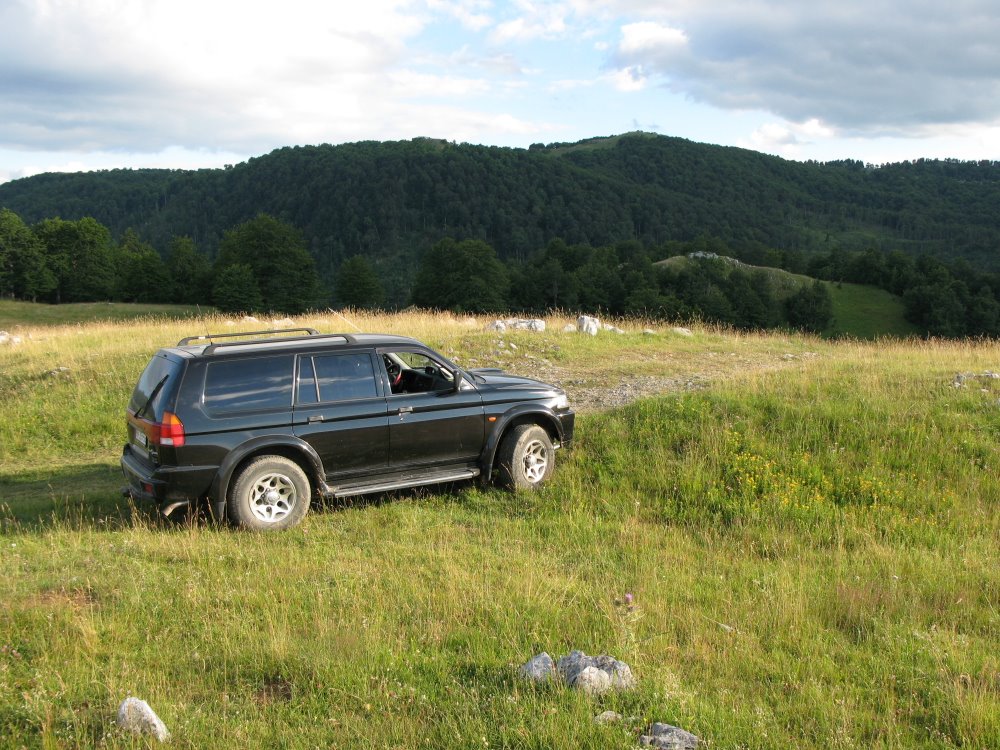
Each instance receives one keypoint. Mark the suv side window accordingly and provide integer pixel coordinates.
(248, 384)
(415, 372)
(336, 377)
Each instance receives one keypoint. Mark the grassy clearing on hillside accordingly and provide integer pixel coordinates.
(866, 312)
(859, 311)
(811, 542)
(15, 314)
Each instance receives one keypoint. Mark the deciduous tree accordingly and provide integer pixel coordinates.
(464, 276)
(276, 254)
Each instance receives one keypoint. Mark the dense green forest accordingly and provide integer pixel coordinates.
(391, 201)
(575, 226)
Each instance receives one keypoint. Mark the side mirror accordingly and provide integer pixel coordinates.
(457, 385)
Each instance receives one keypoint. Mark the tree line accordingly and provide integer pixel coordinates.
(713, 283)
(261, 265)
(264, 265)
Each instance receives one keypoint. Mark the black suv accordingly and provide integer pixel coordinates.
(262, 426)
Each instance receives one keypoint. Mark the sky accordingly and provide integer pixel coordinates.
(102, 84)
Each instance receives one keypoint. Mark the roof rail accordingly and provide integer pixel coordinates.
(273, 331)
(345, 337)
(313, 335)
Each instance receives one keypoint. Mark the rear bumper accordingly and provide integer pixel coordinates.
(165, 485)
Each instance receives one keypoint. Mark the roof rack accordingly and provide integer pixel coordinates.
(311, 334)
(273, 331)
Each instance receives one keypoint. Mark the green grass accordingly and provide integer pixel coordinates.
(811, 543)
(866, 312)
(14, 313)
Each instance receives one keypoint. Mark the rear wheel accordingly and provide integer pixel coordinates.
(525, 458)
(270, 493)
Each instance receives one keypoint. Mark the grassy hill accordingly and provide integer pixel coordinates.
(859, 311)
(808, 530)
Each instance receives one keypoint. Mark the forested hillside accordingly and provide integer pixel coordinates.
(392, 201)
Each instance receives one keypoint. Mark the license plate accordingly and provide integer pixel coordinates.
(139, 439)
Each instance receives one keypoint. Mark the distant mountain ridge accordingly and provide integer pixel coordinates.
(390, 201)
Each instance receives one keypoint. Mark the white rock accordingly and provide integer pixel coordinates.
(540, 668)
(608, 717)
(283, 323)
(648, 332)
(569, 328)
(497, 325)
(667, 737)
(592, 681)
(595, 674)
(588, 325)
(136, 716)
(250, 319)
(525, 324)
(681, 331)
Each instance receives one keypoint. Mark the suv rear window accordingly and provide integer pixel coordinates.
(158, 382)
(249, 384)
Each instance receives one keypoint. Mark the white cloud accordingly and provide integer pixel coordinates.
(155, 73)
(649, 36)
(629, 79)
(535, 20)
(875, 67)
(471, 14)
(413, 85)
(773, 138)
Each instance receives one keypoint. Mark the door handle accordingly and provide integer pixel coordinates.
(315, 418)
(405, 409)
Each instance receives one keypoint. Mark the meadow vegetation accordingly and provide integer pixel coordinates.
(809, 531)
(15, 314)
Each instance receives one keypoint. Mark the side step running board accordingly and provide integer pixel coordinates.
(347, 490)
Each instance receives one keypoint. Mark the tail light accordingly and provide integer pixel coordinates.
(171, 430)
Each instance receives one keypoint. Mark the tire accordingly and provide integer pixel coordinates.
(525, 458)
(271, 493)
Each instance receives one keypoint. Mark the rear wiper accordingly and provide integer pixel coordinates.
(152, 395)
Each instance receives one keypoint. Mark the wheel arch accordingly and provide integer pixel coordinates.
(516, 417)
(292, 448)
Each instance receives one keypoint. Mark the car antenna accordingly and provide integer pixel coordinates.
(346, 320)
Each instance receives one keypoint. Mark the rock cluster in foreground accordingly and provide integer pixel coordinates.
(596, 675)
(593, 675)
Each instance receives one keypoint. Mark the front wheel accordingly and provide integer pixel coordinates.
(270, 493)
(525, 458)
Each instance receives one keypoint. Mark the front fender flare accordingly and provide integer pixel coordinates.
(541, 415)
